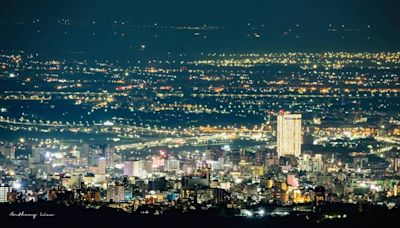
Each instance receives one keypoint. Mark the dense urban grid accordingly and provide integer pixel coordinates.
(254, 135)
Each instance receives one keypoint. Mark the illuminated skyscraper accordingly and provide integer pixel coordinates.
(8, 152)
(116, 193)
(102, 165)
(134, 168)
(171, 164)
(109, 153)
(37, 156)
(4, 190)
(288, 134)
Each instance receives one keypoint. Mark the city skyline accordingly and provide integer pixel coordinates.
(201, 113)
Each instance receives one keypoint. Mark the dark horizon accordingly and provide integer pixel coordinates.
(121, 28)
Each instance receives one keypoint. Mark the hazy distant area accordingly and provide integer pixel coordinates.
(151, 28)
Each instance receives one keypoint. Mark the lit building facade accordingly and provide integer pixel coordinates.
(4, 190)
(289, 134)
(134, 168)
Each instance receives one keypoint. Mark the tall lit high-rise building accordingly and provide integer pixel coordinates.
(134, 168)
(116, 193)
(8, 152)
(37, 156)
(109, 153)
(102, 165)
(288, 134)
(171, 164)
(4, 190)
(85, 150)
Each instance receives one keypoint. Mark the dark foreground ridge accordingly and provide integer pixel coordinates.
(46, 214)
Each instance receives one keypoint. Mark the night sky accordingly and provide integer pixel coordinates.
(285, 25)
